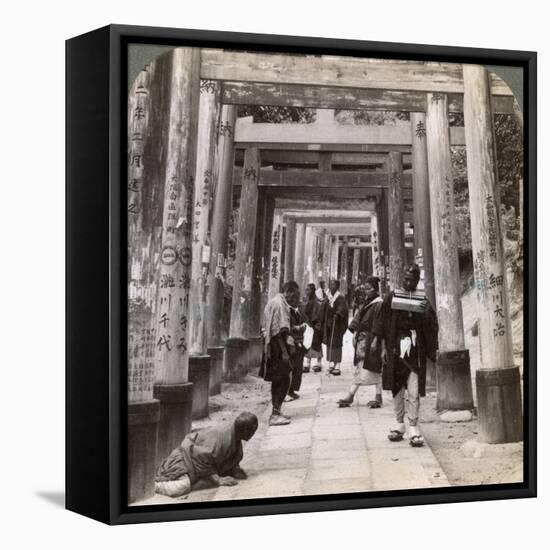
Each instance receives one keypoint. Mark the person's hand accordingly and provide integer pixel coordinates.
(262, 332)
(227, 481)
(384, 355)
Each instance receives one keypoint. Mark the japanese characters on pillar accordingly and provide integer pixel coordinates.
(264, 271)
(244, 258)
(299, 254)
(309, 255)
(421, 205)
(444, 238)
(141, 292)
(376, 271)
(487, 245)
(221, 209)
(275, 262)
(205, 183)
(344, 266)
(177, 232)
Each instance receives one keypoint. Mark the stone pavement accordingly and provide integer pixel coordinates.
(327, 449)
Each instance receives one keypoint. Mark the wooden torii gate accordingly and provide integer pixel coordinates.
(187, 217)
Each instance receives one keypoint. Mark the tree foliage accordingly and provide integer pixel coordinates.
(267, 113)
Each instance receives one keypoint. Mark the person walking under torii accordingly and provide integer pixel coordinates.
(279, 346)
(335, 326)
(313, 313)
(368, 347)
(408, 325)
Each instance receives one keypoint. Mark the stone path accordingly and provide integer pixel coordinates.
(327, 449)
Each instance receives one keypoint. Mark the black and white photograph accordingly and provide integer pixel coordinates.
(325, 274)
(274, 275)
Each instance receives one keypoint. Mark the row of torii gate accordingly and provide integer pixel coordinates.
(325, 187)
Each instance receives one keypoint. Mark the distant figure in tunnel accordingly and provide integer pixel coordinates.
(368, 347)
(313, 313)
(279, 346)
(335, 326)
(206, 458)
(408, 325)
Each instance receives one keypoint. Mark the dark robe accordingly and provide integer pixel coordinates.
(335, 326)
(313, 314)
(297, 319)
(203, 453)
(391, 325)
(361, 326)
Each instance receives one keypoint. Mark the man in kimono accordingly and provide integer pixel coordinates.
(279, 346)
(335, 326)
(368, 348)
(313, 313)
(206, 458)
(409, 337)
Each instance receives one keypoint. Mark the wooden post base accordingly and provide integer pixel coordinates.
(235, 360)
(454, 382)
(499, 405)
(199, 375)
(175, 416)
(255, 352)
(143, 426)
(216, 369)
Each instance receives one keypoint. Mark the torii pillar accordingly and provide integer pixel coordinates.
(299, 255)
(221, 213)
(236, 358)
(290, 246)
(172, 346)
(309, 255)
(375, 246)
(275, 262)
(264, 223)
(422, 219)
(344, 267)
(143, 409)
(327, 250)
(454, 385)
(498, 381)
(205, 183)
(334, 248)
(355, 266)
(395, 215)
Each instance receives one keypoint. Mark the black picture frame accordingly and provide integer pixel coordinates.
(96, 403)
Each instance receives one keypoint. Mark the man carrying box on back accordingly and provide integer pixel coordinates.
(408, 325)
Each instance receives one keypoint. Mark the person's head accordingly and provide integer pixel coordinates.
(322, 284)
(410, 278)
(291, 291)
(372, 287)
(246, 425)
(310, 291)
(334, 286)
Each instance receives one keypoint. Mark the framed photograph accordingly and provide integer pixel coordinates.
(301, 274)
